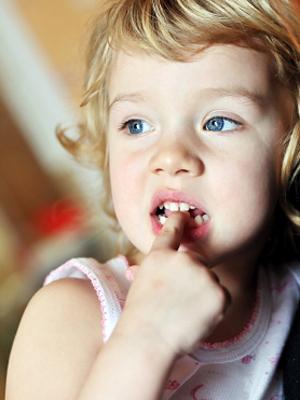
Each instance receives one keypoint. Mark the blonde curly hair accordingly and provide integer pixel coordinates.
(175, 30)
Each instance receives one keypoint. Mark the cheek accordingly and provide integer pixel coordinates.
(125, 179)
(248, 190)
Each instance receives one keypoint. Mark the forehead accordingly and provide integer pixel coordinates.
(217, 66)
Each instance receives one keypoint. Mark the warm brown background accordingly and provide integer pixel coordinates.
(60, 28)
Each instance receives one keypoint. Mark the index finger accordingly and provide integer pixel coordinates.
(172, 232)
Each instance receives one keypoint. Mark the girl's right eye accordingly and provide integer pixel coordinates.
(136, 127)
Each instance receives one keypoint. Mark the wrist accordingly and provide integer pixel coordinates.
(146, 342)
(141, 364)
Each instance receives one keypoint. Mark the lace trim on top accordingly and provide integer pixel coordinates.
(248, 339)
(246, 329)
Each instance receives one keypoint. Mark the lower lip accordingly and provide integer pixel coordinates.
(189, 235)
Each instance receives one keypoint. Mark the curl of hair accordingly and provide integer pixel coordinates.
(176, 30)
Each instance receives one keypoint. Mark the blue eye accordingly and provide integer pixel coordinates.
(221, 124)
(136, 126)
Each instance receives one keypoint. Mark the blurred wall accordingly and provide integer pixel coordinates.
(61, 27)
(41, 66)
(41, 73)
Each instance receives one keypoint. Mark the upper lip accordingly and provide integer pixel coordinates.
(174, 196)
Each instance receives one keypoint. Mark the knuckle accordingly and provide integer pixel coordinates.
(217, 299)
(205, 275)
(223, 298)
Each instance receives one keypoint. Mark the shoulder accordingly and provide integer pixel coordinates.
(70, 292)
(60, 330)
(68, 302)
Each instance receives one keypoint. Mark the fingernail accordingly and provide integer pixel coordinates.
(129, 275)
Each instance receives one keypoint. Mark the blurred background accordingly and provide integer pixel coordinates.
(48, 203)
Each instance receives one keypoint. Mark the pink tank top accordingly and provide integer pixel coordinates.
(247, 366)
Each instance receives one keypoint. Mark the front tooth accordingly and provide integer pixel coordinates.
(205, 217)
(172, 206)
(199, 220)
(184, 207)
(167, 205)
(162, 219)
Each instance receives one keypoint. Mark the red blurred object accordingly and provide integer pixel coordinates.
(63, 215)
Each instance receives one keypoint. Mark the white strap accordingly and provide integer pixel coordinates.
(104, 283)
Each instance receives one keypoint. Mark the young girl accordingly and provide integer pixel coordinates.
(192, 114)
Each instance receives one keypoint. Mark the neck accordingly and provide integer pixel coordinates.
(240, 279)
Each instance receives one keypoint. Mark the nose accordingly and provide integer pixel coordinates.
(176, 159)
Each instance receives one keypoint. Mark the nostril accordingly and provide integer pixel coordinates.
(182, 171)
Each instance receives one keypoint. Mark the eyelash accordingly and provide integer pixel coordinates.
(125, 124)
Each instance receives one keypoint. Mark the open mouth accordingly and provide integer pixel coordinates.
(164, 210)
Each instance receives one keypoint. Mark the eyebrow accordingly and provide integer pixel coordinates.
(132, 97)
(255, 97)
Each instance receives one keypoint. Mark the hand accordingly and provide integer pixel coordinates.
(174, 298)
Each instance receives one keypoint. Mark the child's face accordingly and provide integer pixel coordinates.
(205, 132)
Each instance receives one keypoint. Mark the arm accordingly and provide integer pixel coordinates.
(58, 352)
(56, 343)
(173, 303)
(129, 369)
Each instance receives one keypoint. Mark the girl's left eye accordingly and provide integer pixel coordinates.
(221, 124)
(136, 126)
